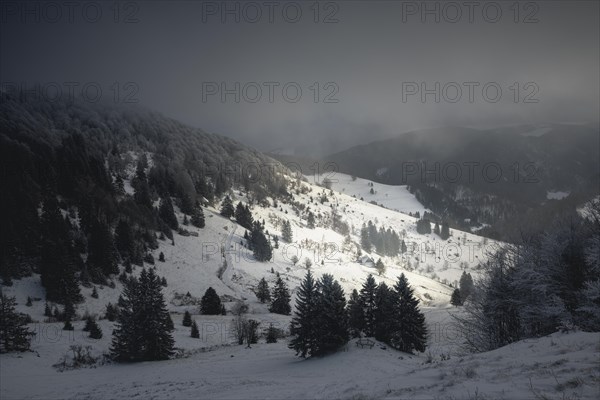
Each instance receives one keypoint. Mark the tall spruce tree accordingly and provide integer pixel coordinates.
(261, 247)
(384, 312)
(456, 299)
(408, 332)
(286, 231)
(14, 334)
(304, 323)
(210, 303)
(102, 255)
(187, 319)
(310, 220)
(280, 303)
(167, 213)
(263, 293)
(144, 326)
(227, 209)
(332, 318)
(356, 315)
(369, 305)
(243, 216)
(198, 217)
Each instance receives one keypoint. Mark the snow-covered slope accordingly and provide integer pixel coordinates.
(216, 257)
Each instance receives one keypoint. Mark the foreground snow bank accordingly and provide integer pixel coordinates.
(554, 367)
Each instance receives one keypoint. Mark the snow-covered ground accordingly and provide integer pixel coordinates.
(214, 367)
(396, 198)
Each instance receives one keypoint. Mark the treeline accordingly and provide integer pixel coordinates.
(323, 321)
(65, 212)
(546, 282)
(384, 241)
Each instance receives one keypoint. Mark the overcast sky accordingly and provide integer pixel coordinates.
(373, 57)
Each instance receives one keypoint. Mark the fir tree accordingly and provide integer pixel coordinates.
(187, 319)
(167, 213)
(365, 242)
(286, 231)
(272, 334)
(380, 267)
(161, 257)
(310, 221)
(331, 318)
(243, 216)
(262, 291)
(47, 310)
(198, 217)
(466, 286)
(445, 233)
(68, 326)
(124, 240)
(456, 299)
(111, 312)
(355, 315)
(261, 247)
(101, 250)
(384, 312)
(95, 331)
(408, 332)
(94, 293)
(144, 326)
(210, 303)
(14, 334)
(89, 321)
(194, 332)
(280, 303)
(227, 209)
(369, 305)
(304, 323)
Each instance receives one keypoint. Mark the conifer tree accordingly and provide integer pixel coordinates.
(102, 255)
(365, 242)
(194, 332)
(144, 326)
(198, 217)
(310, 220)
(111, 312)
(167, 213)
(384, 312)
(95, 293)
(210, 303)
(369, 305)
(286, 232)
(466, 286)
(161, 257)
(47, 310)
(355, 315)
(331, 316)
(409, 332)
(124, 240)
(227, 209)
(445, 233)
(187, 319)
(271, 334)
(280, 303)
(380, 267)
(89, 321)
(261, 247)
(14, 334)
(456, 299)
(95, 331)
(243, 216)
(262, 291)
(303, 326)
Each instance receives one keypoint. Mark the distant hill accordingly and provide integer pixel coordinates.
(492, 176)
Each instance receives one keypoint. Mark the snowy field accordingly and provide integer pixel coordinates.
(214, 367)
